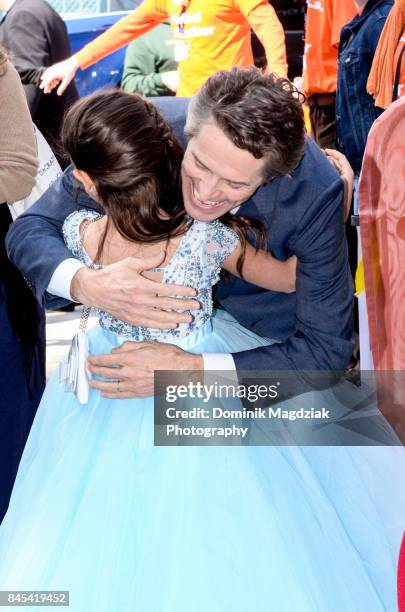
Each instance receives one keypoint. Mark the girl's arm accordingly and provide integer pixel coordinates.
(342, 165)
(262, 269)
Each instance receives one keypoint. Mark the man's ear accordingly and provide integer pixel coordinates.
(85, 181)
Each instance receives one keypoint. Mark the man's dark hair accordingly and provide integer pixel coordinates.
(258, 112)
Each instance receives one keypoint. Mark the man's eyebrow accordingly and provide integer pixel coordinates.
(197, 159)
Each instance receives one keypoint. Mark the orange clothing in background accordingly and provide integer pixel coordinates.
(324, 21)
(399, 63)
(211, 35)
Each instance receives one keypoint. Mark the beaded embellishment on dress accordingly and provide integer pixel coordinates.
(196, 263)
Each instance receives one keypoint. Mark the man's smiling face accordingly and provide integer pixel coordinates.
(217, 176)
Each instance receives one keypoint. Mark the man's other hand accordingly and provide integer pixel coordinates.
(126, 294)
(132, 368)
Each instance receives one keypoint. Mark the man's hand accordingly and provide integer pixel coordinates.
(170, 79)
(62, 72)
(134, 363)
(121, 290)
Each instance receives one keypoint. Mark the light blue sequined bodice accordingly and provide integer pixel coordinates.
(196, 263)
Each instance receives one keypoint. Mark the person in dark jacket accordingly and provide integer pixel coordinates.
(355, 108)
(36, 37)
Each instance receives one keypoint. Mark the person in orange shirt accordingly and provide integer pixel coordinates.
(325, 19)
(207, 37)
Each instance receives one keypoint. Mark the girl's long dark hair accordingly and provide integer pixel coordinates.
(126, 147)
(121, 141)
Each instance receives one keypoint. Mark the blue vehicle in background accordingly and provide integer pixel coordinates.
(108, 71)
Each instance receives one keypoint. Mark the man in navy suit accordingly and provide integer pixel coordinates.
(246, 148)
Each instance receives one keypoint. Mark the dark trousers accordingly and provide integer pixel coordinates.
(18, 401)
(22, 365)
(322, 115)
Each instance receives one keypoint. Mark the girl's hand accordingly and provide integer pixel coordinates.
(291, 264)
(341, 163)
(62, 72)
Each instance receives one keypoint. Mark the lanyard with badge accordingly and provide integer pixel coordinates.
(182, 47)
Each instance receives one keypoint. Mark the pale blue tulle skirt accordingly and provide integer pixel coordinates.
(128, 527)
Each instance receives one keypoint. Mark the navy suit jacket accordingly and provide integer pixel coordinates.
(304, 216)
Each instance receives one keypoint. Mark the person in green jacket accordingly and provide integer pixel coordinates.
(150, 68)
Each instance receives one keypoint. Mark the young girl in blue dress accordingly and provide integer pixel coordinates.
(125, 526)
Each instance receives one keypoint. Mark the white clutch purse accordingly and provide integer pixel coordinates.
(73, 372)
